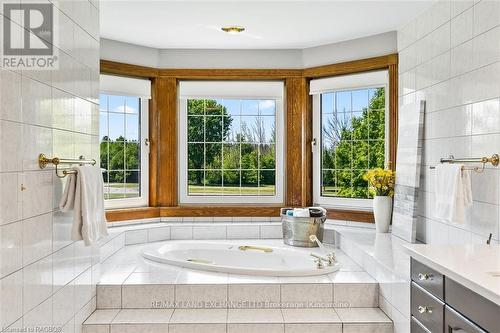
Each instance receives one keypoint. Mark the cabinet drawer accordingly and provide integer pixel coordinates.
(427, 309)
(417, 327)
(427, 278)
(456, 323)
(478, 309)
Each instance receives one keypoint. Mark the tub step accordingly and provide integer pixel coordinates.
(158, 293)
(332, 320)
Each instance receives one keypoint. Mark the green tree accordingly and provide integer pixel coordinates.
(208, 126)
(120, 155)
(358, 144)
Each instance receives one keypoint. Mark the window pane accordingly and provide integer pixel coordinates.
(196, 180)
(196, 155)
(196, 129)
(117, 126)
(232, 107)
(328, 103)
(268, 131)
(132, 156)
(120, 149)
(359, 125)
(116, 185)
(196, 107)
(249, 182)
(116, 155)
(376, 124)
(230, 128)
(116, 103)
(328, 155)
(359, 100)
(343, 155)
(231, 182)
(360, 154)
(267, 158)
(132, 105)
(267, 107)
(249, 128)
(132, 179)
(213, 182)
(376, 154)
(343, 101)
(267, 182)
(250, 107)
(353, 140)
(104, 152)
(213, 129)
(232, 149)
(213, 107)
(328, 182)
(249, 153)
(231, 156)
(344, 183)
(213, 155)
(132, 127)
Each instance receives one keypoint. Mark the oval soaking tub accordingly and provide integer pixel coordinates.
(239, 258)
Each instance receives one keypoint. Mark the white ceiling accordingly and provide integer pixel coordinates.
(269, 24)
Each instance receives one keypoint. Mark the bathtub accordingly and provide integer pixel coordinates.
(239, 258)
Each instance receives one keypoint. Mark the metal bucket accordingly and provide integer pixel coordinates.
(296, 230)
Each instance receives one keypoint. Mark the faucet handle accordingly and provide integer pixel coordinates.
(331, 258)
(319, 263)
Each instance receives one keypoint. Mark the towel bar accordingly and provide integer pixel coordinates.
(43, 161)
(494, 160)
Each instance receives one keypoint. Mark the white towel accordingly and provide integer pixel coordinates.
(453, 192)
(301, 212)
(84, 194)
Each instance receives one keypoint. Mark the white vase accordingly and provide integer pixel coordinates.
(382, 211)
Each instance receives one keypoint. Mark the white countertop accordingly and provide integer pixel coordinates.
(476, 267)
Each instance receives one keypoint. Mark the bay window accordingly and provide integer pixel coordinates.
(350, 130)
(230, 142)
(123, 132)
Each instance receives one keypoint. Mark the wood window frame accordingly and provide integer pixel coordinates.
(163, 188)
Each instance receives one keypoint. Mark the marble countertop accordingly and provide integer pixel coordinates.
(477, 267)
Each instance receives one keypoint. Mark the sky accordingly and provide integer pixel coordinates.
(123, 116)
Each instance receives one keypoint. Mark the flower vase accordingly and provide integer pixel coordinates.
(382, 211)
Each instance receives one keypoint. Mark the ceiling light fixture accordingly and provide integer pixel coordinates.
(233, 29)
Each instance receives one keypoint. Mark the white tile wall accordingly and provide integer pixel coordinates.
(45, 278)
(450, 56)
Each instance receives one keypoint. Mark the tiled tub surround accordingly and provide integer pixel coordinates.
(386, 260)
(450, 57)
(137, 294)
(46, 280)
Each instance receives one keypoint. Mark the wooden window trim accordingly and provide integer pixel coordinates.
(298, 108)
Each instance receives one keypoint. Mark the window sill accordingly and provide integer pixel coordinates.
(358, 215)
(223, 211)
(125, 214)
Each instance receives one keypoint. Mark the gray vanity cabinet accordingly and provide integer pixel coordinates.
(441, 305)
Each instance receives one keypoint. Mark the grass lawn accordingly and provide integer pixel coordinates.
(232, 190)
(121, 190)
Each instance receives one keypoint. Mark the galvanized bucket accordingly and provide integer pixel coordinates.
(297, 230)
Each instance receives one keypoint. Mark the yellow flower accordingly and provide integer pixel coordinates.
(381, 181)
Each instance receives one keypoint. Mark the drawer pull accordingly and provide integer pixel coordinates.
(424, 276)
(424, 309)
